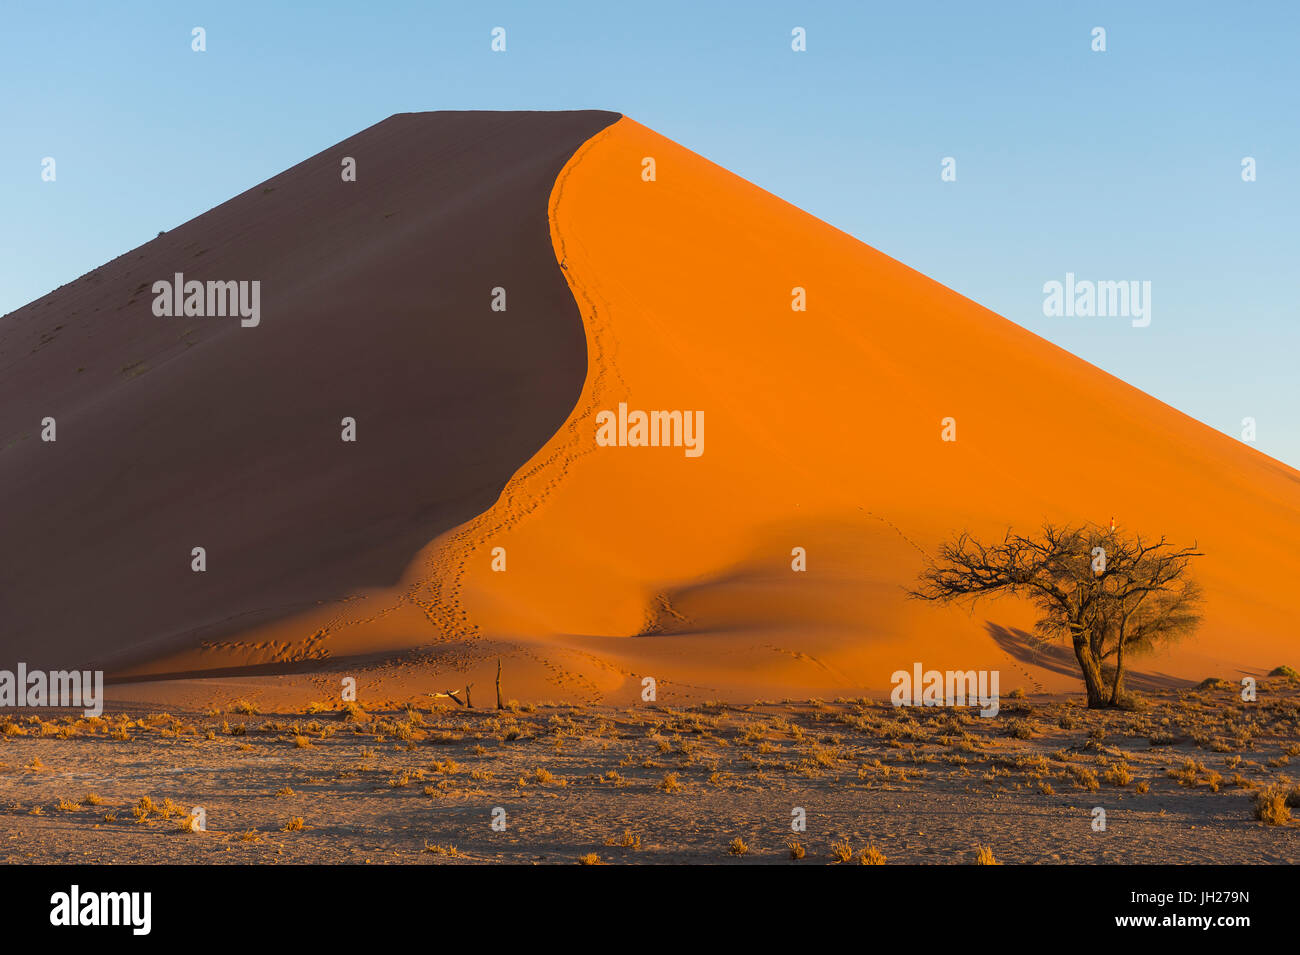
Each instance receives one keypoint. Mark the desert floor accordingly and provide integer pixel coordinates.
(1188, 777)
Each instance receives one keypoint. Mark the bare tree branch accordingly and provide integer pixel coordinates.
(1107, 593)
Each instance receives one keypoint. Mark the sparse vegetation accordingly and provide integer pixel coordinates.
(871, 856)
(1117, 774)
(708, 755)
(841, 851)
(1271, 806)
(628, 840)
(1020, 729)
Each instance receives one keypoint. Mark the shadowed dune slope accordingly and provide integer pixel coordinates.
(174, 433)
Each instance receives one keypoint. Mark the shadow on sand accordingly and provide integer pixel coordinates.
(1057, 658)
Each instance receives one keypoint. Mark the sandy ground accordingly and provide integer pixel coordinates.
(1178, 779)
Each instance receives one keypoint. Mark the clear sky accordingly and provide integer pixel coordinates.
(1122, 165)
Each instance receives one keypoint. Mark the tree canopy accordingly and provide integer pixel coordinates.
(1109, 593)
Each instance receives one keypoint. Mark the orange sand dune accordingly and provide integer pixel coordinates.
(822, 431)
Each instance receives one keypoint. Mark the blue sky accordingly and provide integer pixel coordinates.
(1115, 166)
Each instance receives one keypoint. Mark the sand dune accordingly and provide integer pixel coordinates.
(174, 433)
(822, 432)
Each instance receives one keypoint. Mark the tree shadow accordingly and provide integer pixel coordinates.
(1057, 658)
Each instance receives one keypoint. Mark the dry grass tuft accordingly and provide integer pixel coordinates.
(984, 856)
(871, 856)
(1020, 729)
(628, 840)
(351, 712)
(1271, 806)
(1118, 774)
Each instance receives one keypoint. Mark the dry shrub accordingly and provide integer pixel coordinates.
(871, 856)
(984, 856)
(1271, 808)
(629, 840)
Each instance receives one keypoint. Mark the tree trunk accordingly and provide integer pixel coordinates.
(1119, 671)
(500, 705)
(1091, 668)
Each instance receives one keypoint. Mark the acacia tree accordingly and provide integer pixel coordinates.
(1108, 593)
